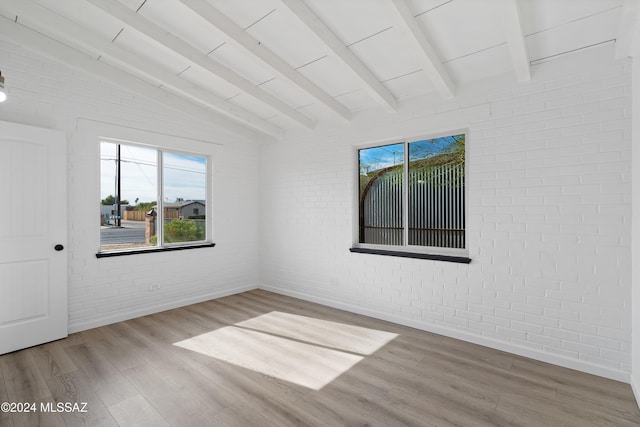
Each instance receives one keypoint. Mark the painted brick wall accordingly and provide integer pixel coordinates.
(549, 211)
(635, 300)
(48, 94)
(549, 217)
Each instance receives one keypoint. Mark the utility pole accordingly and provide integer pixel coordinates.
(118, 204)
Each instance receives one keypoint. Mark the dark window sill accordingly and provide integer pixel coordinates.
(153, 250)
(448, 258)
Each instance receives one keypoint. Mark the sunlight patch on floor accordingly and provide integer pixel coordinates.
(354, 339)
(298, 349)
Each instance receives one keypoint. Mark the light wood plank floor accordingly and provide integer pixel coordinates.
(132, 374)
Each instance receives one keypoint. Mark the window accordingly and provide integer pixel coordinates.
(412, 196)
(151, 198)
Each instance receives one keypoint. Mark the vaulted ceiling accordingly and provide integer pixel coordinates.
(274, 65)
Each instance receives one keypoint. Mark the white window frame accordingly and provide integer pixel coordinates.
(160, 149)
(406, 248)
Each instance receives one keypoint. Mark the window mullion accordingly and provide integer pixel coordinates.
(209, 202)
(160, 216)
(405, 196)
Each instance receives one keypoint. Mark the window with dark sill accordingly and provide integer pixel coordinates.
(411, 196)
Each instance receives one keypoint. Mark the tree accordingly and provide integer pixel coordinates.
(110, 200)
(439, 151)
(145, 206)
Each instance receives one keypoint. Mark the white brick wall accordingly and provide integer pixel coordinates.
(635, 301)
(549, 211)
(45, 93)
(549, 217)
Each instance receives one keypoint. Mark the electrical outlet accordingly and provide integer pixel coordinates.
(154, 287)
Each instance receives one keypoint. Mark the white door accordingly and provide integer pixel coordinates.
(33, 221)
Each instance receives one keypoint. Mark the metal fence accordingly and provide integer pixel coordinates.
(436, 208)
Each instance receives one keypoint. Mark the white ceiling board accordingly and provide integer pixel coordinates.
(481, 65)
(133, 4)
(283, 122)
(288, 92)
(336, 46)
(410, 85)
(213, 83)
(541, 15)
(283, 34)
(234, 111)
(257, 107)
(242, 63)
(318, 111)
(462, 27)
(197, 94)
(86, 15)
(245, 42)
(163, 38)
(575, 35)
(172, 15)
(305, 77)
(332, 75)
(387, 54)
(8, 13)
(429, 58)
(422, 6)
(339, 15)
(133, 71)
(153, 52)
(36, 41)
(245, 13)
(136, 65)
(357, 100)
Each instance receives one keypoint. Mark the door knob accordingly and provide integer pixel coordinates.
(58, 247)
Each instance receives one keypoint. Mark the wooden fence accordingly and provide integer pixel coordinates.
(169, 213)
(134, 215)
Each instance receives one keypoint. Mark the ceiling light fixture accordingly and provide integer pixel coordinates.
(3, 95)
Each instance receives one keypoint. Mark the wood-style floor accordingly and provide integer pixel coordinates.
(133, 374)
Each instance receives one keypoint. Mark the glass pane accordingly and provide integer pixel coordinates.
(381, 187)
(136, 187)
(436, 192)
(185, 194)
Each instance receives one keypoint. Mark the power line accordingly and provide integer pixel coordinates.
(142, 162)
(137, 164)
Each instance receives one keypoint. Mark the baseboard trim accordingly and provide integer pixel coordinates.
(559, 360)
(96, 322)
(635, 386)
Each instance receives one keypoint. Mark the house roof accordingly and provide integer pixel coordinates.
(183, 203)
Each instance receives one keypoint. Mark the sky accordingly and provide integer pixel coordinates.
(184, 176)
(389, 155)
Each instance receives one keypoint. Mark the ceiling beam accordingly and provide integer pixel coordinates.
(431, 64)
(514, 31)
(139, 23)
(42, 19)
(628, 38)
(243, 40)
(35, 40)
(375, 88)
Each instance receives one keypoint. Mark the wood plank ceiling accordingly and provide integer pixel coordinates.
(274, 65)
